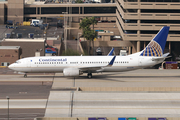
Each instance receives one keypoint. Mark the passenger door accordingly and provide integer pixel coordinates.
(28, 63)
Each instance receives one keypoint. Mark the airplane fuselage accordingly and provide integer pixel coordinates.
(59, 63)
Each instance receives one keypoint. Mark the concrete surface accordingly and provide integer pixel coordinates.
(23, 103)
(87, 104)
(116, 104)
(33, 96)
(137, 78)
(20, 77)
(28, 97)
(4, 30)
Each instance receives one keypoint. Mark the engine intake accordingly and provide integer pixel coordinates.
(72, 72)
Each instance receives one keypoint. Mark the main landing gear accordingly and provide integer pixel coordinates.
(25, 75)
(89, 75)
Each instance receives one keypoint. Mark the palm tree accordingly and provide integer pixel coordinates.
(94, 22)
(87, 32)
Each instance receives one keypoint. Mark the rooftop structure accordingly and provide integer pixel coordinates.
(25, 40)
(9, 47)
(30, 47)
(9, 54)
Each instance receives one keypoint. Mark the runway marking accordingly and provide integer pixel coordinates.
(114, 108)
(78, 80)
(21, 108)
(24, 100)
(104, 100)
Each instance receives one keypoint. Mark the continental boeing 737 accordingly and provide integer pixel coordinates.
(151, 55)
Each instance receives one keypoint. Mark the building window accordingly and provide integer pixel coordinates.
(90, 10)
(29, 11)
(7, 56)
(52, 10)
(5, 64)
(75, 10)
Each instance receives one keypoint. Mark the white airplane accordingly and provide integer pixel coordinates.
(77, 65)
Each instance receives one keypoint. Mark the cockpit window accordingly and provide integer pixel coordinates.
(18, 62)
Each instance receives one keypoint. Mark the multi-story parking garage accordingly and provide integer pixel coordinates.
(137, 21)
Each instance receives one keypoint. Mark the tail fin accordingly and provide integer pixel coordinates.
(157, 44)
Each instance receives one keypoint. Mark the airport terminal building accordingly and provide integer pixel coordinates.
(137, 21)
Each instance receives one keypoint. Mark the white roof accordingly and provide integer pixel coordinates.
(34, 2)
(26, 40)
(9, 47)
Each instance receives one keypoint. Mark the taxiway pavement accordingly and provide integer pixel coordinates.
(48, 95)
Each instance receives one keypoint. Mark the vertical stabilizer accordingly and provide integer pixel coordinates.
(157, 44)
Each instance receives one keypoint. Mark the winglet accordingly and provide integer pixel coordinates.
(111, 62)
(111, 52)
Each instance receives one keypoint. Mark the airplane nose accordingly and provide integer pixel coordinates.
(10, 66)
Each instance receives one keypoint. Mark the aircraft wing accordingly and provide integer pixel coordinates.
(95, 68)
(111, 52)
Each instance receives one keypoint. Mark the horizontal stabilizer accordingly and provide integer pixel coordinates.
(161, 58)
(166, 54)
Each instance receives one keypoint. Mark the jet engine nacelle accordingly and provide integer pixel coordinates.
(72, 72)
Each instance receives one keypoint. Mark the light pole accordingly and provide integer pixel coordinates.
(65, 30)
(7, 97)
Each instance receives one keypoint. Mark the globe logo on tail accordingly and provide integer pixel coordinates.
(152, 49)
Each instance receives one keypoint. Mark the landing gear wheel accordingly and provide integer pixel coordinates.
(25, 75)
(89, 75)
